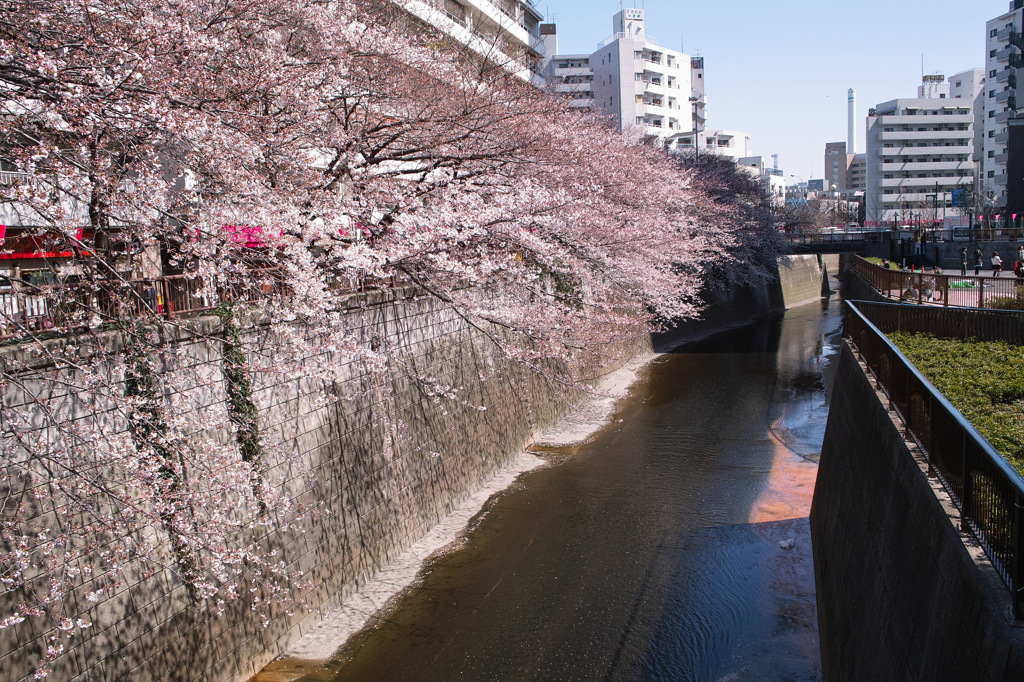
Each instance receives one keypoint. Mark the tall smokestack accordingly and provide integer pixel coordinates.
(851, 132)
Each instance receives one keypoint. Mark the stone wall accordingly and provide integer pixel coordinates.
(902, 594)
(384, 454)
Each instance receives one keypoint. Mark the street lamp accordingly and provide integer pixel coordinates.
(800, 184)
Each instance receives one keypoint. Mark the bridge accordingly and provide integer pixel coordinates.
(832, 242)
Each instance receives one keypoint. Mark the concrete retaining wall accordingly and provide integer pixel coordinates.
(800, 279)
(383, 489)
(902, 595)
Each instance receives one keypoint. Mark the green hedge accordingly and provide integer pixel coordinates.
(984, 380)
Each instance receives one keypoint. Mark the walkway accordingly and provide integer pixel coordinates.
(929, 288)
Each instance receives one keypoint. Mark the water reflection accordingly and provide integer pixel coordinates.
(674, 546)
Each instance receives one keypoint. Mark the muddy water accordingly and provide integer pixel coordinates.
(674, 546)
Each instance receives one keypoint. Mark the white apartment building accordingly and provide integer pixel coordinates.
(770, 179)
(919, 150)
(731, 144)
(1003, 62)
(569, 75)
(644, 86)
(504, 32)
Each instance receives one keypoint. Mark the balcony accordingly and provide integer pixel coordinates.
(926, 167)
(920, 135)
(1000, 159)
(1004, 95)
(1001, 138)
(1004, 54)
(10, 177)
(921, 184)
(1004, 116)
(927, 151)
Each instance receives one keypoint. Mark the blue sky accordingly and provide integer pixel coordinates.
(780, 70)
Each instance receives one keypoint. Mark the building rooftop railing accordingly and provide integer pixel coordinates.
(987, 491)
(626, 36)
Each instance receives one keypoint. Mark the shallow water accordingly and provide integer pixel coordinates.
(674, 546)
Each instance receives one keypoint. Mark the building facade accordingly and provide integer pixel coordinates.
(570, 75)
(770, 179)
(918, 152)
(503, 32)
(653, 91)
(1003, 62)
(731, 144)
(642, 85)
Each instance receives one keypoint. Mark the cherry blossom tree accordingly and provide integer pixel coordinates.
(272, 153)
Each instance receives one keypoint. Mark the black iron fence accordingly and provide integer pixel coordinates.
(27, 309)
(988, 492)
(959, 323)
(930, 288)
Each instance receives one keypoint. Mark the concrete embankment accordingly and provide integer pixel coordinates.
(387, 458)
(801, 279)
(902, 594)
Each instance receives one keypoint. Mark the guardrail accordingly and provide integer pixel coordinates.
(839, 237)
(59, 308)
(987, 491)
(938, 289)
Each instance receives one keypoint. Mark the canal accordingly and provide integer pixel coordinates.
(672, 546)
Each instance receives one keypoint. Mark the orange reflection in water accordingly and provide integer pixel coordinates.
(790, 484)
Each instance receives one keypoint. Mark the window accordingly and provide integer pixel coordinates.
(991, 174)
(992, 73)
(991, 114)
(991, 93)
(991, 153)
(991, 53)
(958, 84)
(992, 33)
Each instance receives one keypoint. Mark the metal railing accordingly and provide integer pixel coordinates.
(840, 237)
(26, 310)
(988, 492)
(939, 289)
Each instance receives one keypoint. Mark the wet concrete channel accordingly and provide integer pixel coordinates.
(673, 546)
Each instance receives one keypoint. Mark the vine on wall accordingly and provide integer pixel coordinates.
(242, 410)
(150, 434)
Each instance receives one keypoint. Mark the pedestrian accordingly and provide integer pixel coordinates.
(1020, 253)
(997, 264)
(978, 257)
(963, 262)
